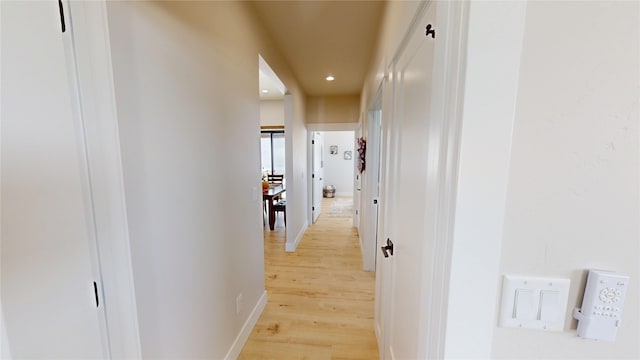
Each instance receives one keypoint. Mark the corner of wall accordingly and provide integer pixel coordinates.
(291, 246)
(244, 333)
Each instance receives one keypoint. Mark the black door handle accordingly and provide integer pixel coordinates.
(386, 250)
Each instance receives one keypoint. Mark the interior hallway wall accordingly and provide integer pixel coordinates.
(186, 81)
(333, 109)
(573, 195)
(338, 171)
(271, 112)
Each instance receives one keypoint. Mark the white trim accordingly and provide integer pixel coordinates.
(309, 179)
(494, 45)
(5, 350)
(95, 84)
(370, 187)
(379, 339)
(292, 246)
(248, 326)
(448, 104)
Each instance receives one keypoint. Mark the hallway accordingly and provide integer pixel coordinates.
(320, 302)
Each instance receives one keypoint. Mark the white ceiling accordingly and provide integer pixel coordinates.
(318, 38)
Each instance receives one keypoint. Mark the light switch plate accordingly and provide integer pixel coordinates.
(534, 302)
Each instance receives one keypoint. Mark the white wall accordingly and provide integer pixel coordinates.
(340, 109)
(272, 112)
(298, 203)
(573, 195)
(186, 88)
(338, 171)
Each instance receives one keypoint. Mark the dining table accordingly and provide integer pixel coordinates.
(270, 195)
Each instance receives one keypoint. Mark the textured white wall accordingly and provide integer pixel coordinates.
(338, 171)
(573, 196)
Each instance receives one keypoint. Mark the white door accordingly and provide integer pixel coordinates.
(317, 174)
(47, 244)
(409, 178)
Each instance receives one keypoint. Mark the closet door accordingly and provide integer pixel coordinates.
(48, 266)
(414, 181)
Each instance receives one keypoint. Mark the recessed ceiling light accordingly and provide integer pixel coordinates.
(265, 91)
(330, 78)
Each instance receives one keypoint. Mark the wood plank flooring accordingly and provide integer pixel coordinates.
(320, 302)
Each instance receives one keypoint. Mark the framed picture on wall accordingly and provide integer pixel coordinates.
(348, 155)
(333, 149)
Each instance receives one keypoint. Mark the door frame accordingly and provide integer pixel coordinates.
(383, 306)
(317, 173)
(371, 185)
(320, 127)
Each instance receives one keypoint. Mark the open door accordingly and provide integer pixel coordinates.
(317, 174)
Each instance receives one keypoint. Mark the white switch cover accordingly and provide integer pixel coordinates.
(534, 303)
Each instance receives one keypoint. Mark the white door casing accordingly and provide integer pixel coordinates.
(49, 252)
(384, 287)
(317, 174)
(371, 177)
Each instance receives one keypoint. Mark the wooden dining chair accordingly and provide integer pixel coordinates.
(275, 178)
(281, 206)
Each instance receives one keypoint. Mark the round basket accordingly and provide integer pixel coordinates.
(329, 191)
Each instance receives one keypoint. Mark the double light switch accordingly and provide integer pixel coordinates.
(534, 303)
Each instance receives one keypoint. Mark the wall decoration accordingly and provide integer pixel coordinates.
(333, 149)
(362, 149)
(347, 155)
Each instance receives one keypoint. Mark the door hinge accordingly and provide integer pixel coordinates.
(62, 23)
(313, 142)
(95, 292)
(313, 176)
(313, 208)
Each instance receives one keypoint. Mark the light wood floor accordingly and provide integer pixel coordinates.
(320, 302)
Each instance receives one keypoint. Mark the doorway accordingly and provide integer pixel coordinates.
(332, 163)
(273, 148)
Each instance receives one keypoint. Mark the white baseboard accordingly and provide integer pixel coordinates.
(242, 337)
(378, 332)
(292, 246)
